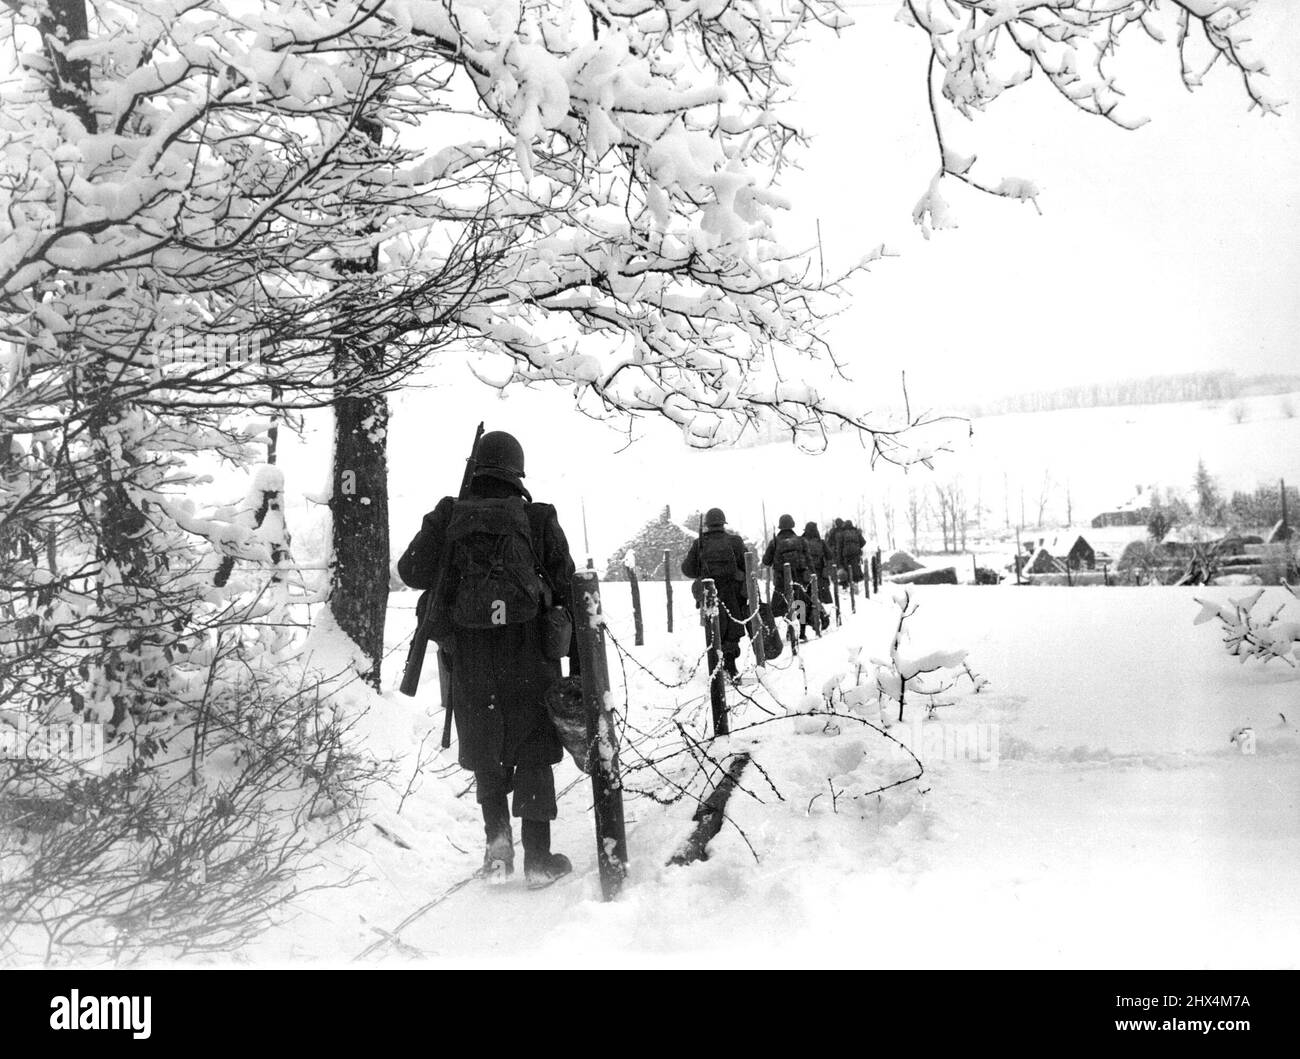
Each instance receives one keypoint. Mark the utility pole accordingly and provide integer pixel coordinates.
(586, 543)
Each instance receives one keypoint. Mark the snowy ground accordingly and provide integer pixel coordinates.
(1117, 827)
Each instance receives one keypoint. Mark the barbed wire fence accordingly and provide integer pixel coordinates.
(668, 757)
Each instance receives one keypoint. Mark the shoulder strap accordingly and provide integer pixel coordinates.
(537, 516)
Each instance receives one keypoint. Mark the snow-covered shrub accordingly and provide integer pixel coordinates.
(903, 675)
(218, 749)
(187, 838)
(1263, 634)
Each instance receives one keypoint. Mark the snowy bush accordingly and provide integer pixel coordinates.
(188, 836)
(1253, 632)
(901, 677)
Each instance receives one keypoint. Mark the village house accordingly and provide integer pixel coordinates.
(1134, 512)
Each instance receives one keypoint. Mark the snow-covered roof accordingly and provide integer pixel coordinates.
(1067, 539)
(1139, 502)
(1194, 533)
(1109, 539)
(1043, 561)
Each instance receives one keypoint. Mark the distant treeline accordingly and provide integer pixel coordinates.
(1154, 389)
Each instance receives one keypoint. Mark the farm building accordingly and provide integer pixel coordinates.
(901, 563)
(1043, 562)
(1074, 549)
(946, 575)
(1192, 537)
(1134, 512)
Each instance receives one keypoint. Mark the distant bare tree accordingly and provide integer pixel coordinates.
(887, 518)
(914, 511)
(938, 504)
(1044, 497)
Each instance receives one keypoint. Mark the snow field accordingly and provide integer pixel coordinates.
(1118, 826)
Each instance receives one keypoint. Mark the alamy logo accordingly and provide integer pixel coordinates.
(498, 612)
(80, 744)
(941, 741)
(76, 1012)
(180, 347)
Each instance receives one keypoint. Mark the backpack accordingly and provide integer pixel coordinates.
(717, 560)
(816, 551)
(792, 550)
(851, 544)
(490, 571)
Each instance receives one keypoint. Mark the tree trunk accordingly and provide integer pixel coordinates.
(359, 575)
(359, 499)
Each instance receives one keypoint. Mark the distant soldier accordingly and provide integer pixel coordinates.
(720, 554)
(819, 561)
(851, 542)
(493, 561)
(833, 541)
(787, 547)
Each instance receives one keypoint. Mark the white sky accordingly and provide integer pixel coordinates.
(1172, 248)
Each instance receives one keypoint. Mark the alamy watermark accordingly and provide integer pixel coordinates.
(179, 346)
(80, 744)
(941, 741)
(168, 347)
(76, 1012)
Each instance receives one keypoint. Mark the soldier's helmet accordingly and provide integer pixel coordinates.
(715, 517)
(786, 523)
(499, 455)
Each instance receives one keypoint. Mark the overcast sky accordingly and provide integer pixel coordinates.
(1171, 248)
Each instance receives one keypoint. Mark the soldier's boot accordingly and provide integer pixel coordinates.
(541, 866)
(499, 857)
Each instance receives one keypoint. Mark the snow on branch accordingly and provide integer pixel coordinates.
(1250, 633)
(981, 49)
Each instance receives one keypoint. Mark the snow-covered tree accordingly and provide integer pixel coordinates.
(572, 193)
(1209, 504)
(981, 49)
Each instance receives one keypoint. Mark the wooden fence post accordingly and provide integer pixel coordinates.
(814, 591)
(793, 606)
(602, 737)
(711, 618)
(668, 586)
(629, 564)
(710, 814)
(755, 623)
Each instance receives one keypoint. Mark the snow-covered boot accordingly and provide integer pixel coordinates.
(499, 857)
(541, 866)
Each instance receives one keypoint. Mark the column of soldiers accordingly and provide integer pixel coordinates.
(719, 554)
